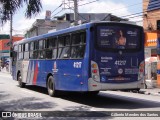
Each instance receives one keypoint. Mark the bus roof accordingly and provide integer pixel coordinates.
(67, 30)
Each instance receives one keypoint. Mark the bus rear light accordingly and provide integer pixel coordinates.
(141, 67)
(94, 85)
(141, 71)
(94, 71)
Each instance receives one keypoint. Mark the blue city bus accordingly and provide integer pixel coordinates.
(91, 57)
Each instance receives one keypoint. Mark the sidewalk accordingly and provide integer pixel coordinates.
(151, 91)
(151, 88)
(4, 71)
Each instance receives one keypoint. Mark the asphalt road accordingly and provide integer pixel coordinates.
(32, 98)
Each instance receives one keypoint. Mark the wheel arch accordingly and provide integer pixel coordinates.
(18, 74)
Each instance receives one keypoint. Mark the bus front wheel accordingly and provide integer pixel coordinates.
(20, 83)
(51, 86)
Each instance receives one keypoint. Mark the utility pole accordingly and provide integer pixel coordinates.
(75, 12)
(10, 43)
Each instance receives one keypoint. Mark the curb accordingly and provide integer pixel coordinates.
(150, 93)
(4, 72)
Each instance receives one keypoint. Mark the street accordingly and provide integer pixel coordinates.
(32, 98)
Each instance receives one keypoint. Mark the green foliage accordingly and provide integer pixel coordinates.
(9, 7)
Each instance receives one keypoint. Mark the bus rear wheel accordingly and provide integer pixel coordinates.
(51, 86)
(20, 83)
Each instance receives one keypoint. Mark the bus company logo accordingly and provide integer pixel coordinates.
(120, 52)
(55, 67)
(132, 32)
(120, 71)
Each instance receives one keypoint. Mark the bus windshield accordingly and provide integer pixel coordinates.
(118, 37)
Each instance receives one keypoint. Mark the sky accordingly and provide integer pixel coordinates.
(119, 8)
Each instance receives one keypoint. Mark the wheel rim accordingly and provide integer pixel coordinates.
(50, 86)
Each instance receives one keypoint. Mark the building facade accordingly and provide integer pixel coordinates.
(151, 24)
(39, 27)
(5, 47)
(42, 26)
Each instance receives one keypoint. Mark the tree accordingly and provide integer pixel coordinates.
(8, 7)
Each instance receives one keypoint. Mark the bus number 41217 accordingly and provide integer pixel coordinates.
(120, 62)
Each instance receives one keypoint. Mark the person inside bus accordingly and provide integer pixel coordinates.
(121, 40)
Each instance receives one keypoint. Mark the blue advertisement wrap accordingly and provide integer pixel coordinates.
(118, 37)
(114, 68)
(119, 66)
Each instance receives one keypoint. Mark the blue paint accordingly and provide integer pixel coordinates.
(73, 74)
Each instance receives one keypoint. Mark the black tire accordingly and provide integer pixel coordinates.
(136, 90)
(145, 86)
(51, 86)
(20, 83)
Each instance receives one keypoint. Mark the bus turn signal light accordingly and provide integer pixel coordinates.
(94, 66)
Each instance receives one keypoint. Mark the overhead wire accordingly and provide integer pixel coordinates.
(88, 3)
(78, 14)
(96, 1)
(57, 8)
(130, 6)
(145, 10)
(57, 13)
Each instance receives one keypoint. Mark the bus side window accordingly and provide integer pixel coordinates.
(54, 48)
(47, 51)
(31, 50)
(35, 51)
(64, 47)
(26, 51)
(78, 45)
(41, 47)
(20, 51)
